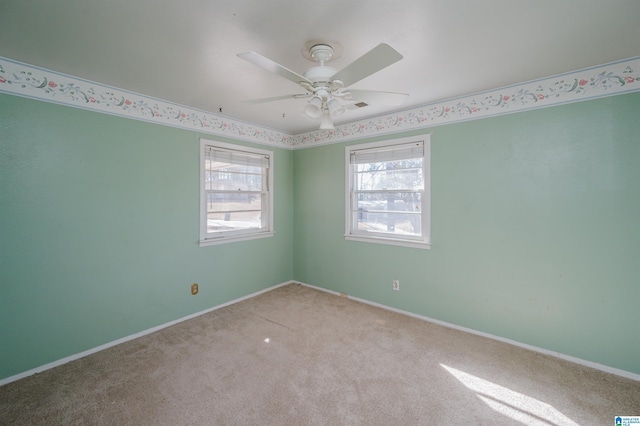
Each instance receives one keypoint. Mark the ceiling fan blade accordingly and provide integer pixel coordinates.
(371, 62)
(376, 97)
(275, 98)
(274, 67)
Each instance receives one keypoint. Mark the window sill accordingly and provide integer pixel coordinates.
(233, 239)
(389, 241)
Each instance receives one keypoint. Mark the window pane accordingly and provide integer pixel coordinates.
(233, 220)
(233, 179)
(234, 201)
(389, 201)
(387, 198)
(387, 222)
(236, 195)
(402, 174)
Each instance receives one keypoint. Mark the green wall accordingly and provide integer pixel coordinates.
(535, 230)
(99, 227)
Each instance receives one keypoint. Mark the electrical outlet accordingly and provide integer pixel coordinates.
(396, 285)
(194, 289)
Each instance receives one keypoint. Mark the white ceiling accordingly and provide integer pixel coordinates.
(184, 51)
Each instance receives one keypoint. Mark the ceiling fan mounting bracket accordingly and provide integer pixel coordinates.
(322, 51)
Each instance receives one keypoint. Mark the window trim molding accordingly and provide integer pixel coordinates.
(423, 242)
(240, 235)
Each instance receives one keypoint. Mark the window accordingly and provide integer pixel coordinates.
(236, 193)
(387, 192)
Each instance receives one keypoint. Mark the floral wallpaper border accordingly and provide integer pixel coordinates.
(605, 80)
(37, 83)
(596, 82)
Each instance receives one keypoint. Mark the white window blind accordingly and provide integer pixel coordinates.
(236, 157)
(389, 153)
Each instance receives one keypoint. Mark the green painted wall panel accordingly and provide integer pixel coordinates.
(534, 228)
(535, 231)
(99, 232)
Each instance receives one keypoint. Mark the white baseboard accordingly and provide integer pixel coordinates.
(131, 337)
(83, 354)
(595, 365)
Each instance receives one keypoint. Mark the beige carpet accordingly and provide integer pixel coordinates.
(298, 356)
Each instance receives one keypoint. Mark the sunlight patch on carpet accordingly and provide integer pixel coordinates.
(518, 406)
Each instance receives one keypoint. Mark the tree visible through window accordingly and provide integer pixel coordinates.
(387, 193)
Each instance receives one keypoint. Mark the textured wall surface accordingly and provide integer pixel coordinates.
(99, 228)
(534, 224)
(535, 235)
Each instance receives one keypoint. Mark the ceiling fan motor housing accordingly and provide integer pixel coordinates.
(320, 74)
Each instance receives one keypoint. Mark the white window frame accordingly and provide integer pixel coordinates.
(221, 237)
(424, 240)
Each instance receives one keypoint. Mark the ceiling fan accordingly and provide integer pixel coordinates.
(327, 87)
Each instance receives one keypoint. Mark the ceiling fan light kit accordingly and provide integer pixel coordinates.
(335, 109)
(327, 87)
(314, 107)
